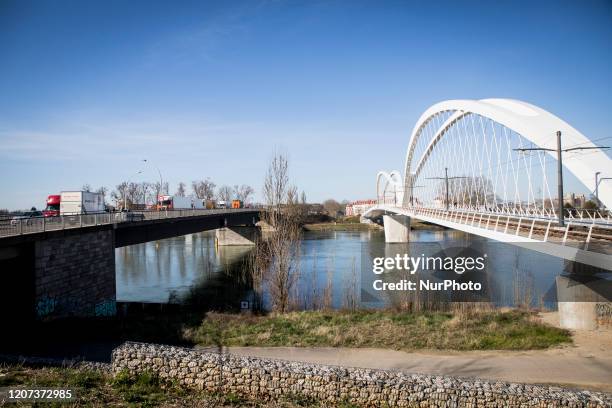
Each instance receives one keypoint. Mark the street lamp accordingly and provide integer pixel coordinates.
(161, 180)
(559, 151)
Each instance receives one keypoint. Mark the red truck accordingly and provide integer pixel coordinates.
(53, 206)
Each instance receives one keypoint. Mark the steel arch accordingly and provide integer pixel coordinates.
(533, 123)
(393, 179)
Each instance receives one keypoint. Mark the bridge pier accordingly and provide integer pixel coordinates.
(397, 228)
(64, 274)
(583, 305)
(244, 235)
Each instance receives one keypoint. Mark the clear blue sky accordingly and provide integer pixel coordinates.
(211, 89)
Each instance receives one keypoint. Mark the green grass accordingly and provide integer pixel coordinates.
(511, 330)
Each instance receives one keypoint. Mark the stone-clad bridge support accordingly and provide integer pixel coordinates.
(60, 274)
(71, 272)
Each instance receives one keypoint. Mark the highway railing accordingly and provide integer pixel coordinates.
(20, 226)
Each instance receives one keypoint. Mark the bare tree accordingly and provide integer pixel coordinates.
(160, 189)
(303, 198)
(282, 250)
(86, 187)
(332, 207)
(225, 193)
(180, 191)
(145, 189)
(120, 194)
(243, 192)
(133, 193)
(204, 189)
(104, 191)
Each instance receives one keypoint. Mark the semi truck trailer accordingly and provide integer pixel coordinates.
(81, 202)
(172, 202)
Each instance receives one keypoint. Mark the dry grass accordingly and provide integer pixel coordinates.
(475, 330)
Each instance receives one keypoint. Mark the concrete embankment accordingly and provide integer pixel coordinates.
(270, 378)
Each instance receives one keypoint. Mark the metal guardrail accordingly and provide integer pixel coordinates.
(535, 228)
(576, 215)
(12, 227)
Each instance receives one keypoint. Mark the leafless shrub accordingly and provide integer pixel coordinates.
(277, 256)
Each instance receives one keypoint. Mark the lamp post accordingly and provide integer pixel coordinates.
(161, 180)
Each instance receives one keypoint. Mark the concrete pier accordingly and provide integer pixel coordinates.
(236, 236)
(582, 305)
(397, 228)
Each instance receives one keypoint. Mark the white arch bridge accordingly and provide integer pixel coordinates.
(489, 167)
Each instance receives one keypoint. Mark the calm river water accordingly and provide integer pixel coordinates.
(335, 268)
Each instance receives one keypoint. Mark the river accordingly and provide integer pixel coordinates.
(334, 270)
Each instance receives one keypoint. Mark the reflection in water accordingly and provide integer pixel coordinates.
(335, 271)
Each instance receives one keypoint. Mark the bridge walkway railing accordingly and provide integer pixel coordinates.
(587, 236)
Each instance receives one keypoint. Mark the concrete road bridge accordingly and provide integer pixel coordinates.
(65, 266)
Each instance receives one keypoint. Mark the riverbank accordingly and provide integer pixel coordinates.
(490, 330)
(340, 226)
(353, 224)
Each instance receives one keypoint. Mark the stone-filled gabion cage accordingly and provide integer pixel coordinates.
(266, 379)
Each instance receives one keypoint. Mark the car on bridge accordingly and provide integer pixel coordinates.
(27, 217)
(128, 215)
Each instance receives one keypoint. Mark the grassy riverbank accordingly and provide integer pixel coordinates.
(354, 224)
(495, 330)
(339, 226)
(101, 389)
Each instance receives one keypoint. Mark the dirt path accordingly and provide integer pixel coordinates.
(587, 364)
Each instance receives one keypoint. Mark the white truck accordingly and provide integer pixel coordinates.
(81, 202)
(173, 202)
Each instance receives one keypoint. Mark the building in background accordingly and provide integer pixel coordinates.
(359, 207)
(575, 200)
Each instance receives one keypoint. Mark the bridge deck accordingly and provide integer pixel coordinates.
(131, 228)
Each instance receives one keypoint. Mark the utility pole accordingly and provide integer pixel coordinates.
(597, 188)
(560, 179)
(560, 169)
(445, 178)
(161, 180)
(446, 182)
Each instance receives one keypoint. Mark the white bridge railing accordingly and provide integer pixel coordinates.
(20, 226)
(574, 233)
(575, 215)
